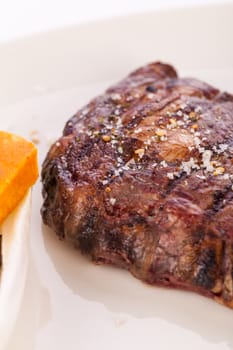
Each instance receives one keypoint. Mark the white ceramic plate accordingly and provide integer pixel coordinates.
(70, 303)
(15, 257)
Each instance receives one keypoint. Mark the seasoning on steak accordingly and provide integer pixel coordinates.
(142, 178)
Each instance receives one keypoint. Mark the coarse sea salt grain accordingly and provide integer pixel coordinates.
(112, 200)
(115, 97)
(179, 113)
(170, 176)
(222, 147)
(201, 177)
(85, 111)
(164, 164)
(198, 109)
(113, 142)
(189, 165)
(226, 176)
(150, 96)
(119, 122)
(206, 160)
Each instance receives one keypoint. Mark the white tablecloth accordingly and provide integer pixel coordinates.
(24, 17)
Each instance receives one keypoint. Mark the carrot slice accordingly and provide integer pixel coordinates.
(18, 170)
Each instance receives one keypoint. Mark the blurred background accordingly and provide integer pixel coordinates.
(25, 17)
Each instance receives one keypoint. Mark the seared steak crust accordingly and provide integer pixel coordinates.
(142, 179)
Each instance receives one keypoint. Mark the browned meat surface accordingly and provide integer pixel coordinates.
(142, 179)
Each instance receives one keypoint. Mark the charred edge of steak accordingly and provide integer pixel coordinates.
(207, 268)
(221, 198)
(87, 231)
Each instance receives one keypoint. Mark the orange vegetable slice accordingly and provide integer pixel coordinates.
(18, 171)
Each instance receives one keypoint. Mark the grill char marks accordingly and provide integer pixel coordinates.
(142, 179)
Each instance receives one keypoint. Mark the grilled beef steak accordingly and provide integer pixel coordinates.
(142, 179)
